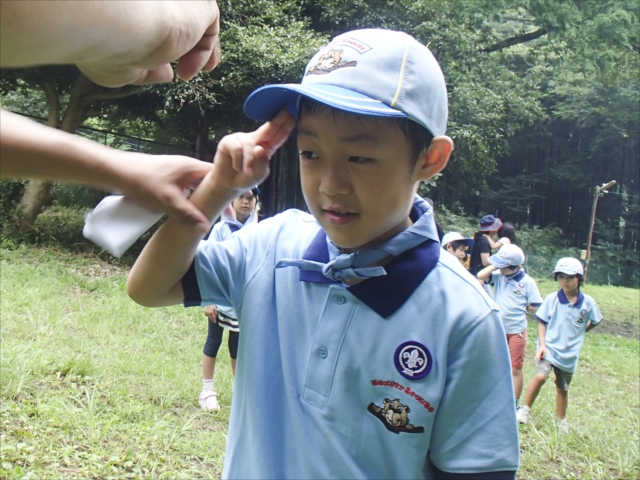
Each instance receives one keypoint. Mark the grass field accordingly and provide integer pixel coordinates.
(94, 386)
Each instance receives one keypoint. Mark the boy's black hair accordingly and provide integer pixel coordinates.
(456, 244)
(419, 137)
(580, 277)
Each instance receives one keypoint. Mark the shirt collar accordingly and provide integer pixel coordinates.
(562, 298)
(516, 277)
(387, 293)
(237, 223)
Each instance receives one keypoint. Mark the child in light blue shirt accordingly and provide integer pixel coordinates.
(563, 319)
(516, 293)
(363, 351)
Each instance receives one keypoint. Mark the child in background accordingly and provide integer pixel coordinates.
(224, 318)
(358, 358)
(481, 250)
(506, 236)
(563, 319)
(457, 245)
(516, 293)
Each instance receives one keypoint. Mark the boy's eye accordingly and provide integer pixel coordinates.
(355, 159)
(308, 155)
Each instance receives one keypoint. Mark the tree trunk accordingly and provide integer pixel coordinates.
(37, 191)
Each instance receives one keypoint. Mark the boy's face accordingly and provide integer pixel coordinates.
(568, 283)
(460, 253)
(506, 271)
(358, 176)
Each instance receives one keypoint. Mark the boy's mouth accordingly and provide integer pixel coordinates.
(339, 217)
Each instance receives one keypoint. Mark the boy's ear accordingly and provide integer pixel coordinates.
(436, 157)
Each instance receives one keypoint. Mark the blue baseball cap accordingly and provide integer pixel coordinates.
(375, 72)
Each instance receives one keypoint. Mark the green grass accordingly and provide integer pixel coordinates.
(94, 386)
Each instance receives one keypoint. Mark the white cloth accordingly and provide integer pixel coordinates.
(117, 222)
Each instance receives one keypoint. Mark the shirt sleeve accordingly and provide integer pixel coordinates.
(475, 429)
(593, 313)
(542, 315)
(534, 297)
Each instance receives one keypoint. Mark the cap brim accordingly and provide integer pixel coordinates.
(264, 103)
(469, 242)
(497, 262)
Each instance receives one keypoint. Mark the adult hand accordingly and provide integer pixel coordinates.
(159, 182)
(113, 43)
(192, 39)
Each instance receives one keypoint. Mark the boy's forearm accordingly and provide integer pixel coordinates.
(542, 332)
(155, 279)
(485, 273)
(532, 308)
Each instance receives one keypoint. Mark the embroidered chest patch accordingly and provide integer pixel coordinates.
(394, 416)
(413, 360)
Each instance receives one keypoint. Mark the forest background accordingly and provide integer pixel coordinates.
(544, 108)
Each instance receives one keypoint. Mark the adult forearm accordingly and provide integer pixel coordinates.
(31, 150)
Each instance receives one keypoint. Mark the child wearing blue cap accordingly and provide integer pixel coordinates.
(516, 293)
(563, 319)
(363, 351)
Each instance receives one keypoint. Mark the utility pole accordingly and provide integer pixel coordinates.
(599, 191)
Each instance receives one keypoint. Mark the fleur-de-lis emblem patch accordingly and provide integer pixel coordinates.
(413, 360)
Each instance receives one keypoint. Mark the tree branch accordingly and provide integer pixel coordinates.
(527, 37)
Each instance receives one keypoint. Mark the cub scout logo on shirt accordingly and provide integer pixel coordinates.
(413, 360)
(583, 312)
(517, 291)
(394, 416)
(330, 61)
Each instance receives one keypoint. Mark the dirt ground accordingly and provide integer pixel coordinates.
(622, 329)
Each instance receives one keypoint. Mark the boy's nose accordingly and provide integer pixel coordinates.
(335, 180)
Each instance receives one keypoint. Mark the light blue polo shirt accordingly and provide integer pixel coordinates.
(384, 379)
(220, 232)
(566, 326)
(512, 294)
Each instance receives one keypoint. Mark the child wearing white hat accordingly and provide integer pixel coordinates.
(516, 293)
(457, 245)
(563, 319)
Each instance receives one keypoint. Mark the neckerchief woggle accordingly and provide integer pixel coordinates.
(356, 265)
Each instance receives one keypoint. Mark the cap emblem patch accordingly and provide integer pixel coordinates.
(328, 62)
(413, 360)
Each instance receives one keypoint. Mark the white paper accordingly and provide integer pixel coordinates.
(117, 222)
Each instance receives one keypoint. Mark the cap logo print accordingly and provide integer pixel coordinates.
(328, 62)
(413, 360)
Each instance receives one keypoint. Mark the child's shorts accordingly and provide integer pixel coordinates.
(563, 379)
(517, 346)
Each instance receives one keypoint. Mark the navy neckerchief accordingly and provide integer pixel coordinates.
(562, 298)
(516, 277)
(385, 294)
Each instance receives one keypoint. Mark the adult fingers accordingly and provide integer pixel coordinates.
(205, 55)
(179, 206)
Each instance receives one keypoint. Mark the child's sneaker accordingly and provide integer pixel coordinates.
(209, 400)
(524, 414)
(563, 425)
